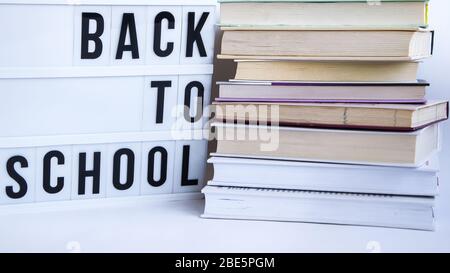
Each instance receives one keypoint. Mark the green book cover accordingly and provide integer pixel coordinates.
(369, 2)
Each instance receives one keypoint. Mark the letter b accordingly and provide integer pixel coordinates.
(87, 36)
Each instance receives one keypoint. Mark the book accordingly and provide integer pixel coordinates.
(382, 44)
(297, 175)
(269, 91)
(387, 117)
(408, 149)
(319, 207)
(327, 71)
(324, 13)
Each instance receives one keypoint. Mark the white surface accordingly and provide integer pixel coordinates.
(176, 227)
(49, 48)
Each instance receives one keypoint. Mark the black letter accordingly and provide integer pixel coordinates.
(194, 34)
(128, 23)
(83, 173)
(130, 169)
(151, 166)
(17, 177)
(187, 101)
(185, 181)
(161, 85)
(46, 173)
(157, 41)
(95, 37)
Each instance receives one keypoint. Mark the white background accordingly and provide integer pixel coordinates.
(176, 226)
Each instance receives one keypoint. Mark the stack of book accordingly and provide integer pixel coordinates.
(325, 120)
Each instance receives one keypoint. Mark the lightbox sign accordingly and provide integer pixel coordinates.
(88, 97)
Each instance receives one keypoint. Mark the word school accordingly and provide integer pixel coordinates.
(101, 170)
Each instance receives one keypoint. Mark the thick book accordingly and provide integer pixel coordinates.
(298, 175)
(269, 91)
(405, 149)
(327, 71)
(383, 117)
(319, 207)
(382, 44)
(324, 13)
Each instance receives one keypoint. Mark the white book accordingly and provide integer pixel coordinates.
(319, 207)
(296, 175)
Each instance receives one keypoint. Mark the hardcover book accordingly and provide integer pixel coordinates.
(269, 91)
(381, 44)
(327, 71)
(406, 149)
(324, 13)
(390, 117)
